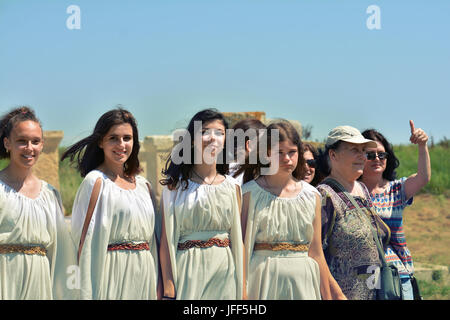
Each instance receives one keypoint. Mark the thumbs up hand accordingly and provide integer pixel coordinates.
(418, 136)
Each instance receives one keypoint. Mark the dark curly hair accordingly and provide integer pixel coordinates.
(9, 120)
(392, 162)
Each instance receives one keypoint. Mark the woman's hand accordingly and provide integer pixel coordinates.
(418, 180)
(418, 136)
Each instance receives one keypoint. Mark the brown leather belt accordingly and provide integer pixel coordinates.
(128, 246)
(25, 249)
(204, 244)
(281, 246)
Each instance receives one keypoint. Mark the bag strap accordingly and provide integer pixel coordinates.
(338, 186)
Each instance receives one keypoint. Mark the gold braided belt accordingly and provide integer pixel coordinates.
(128, 246)
(204, 244)
(25, 249)
(281, 246)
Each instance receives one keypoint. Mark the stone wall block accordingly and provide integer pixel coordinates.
(153, 157)
(47, 166)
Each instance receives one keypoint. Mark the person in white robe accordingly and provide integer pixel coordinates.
(37, 253)
(113, 216)
(201, 241)
(282, 226)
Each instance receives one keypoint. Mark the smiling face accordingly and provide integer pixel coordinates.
(117, 144)
(212, 141)
(376, 166)
(349, 160)
(25, 143)
(310, 171)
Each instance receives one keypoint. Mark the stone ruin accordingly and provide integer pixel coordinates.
(47, 167)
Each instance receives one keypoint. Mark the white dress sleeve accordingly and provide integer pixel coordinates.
(91, 246)
(62, 254)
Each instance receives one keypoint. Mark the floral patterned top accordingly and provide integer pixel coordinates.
(349, 247)
(389, 205)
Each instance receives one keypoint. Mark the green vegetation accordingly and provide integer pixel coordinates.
(434, 290)
(3, 163)
(69, 181)
(440, 166)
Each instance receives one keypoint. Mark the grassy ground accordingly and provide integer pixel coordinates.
(427, 221)
(427, 230)
(434, 290)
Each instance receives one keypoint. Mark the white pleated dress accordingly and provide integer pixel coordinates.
(35, 222)
(202, 212)
(280, 275)
(120, 216)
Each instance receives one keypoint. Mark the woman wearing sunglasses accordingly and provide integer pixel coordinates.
(313, 176)
(390, 195)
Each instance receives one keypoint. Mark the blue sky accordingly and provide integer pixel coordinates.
(164, 60)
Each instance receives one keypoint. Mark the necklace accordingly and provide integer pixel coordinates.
(204, 179)
(111, 175)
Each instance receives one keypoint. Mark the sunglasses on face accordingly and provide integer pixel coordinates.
(373, 155)
(311, 163)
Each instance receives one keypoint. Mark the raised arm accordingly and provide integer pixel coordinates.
(418, 180)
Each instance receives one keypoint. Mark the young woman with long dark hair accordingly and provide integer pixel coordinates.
(201, 242)
(113, 217)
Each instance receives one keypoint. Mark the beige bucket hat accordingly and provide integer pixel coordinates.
(348, 134)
